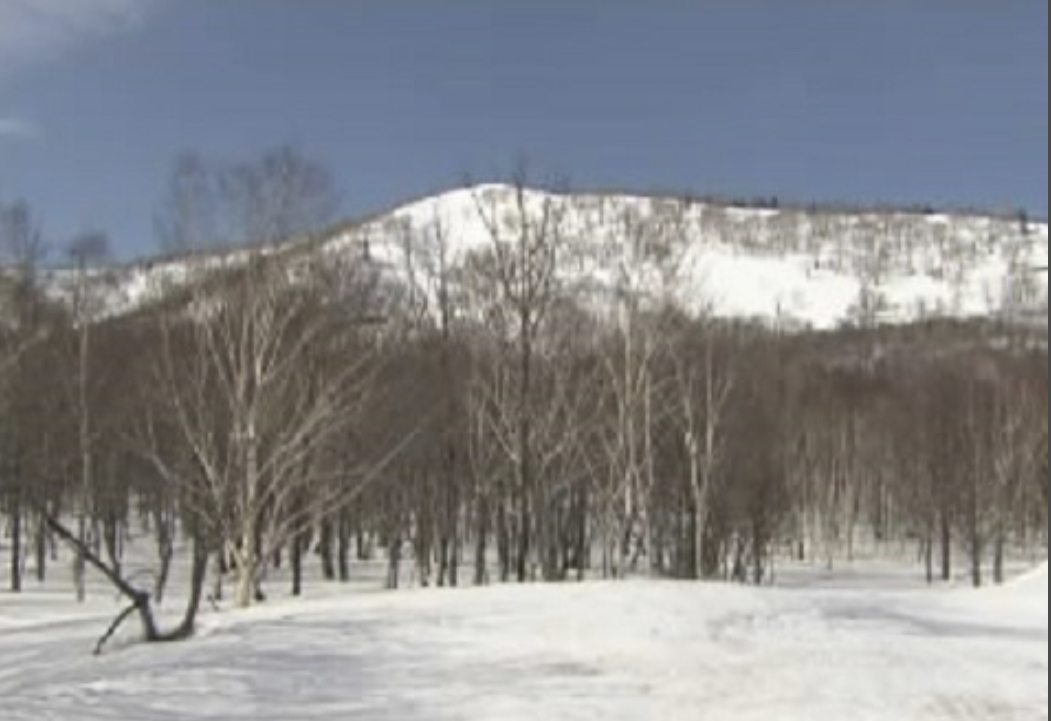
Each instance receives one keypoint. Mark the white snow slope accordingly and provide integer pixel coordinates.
(637, 650)
(814, 268)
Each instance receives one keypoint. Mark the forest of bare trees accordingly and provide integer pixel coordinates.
(485, 424)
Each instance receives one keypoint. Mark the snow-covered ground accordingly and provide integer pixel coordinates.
(871, 647)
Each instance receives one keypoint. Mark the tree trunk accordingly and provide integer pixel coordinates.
(17, 521)
(296, 559)
(41, 540)
(343, 547)
(946, 548)
(328, 567)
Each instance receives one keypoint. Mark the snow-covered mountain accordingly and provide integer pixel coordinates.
(797, 266)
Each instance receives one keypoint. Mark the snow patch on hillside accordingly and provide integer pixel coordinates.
(803, 268)
(812, 269)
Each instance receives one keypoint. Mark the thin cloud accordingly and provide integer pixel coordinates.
(18, 129)
(37, 30)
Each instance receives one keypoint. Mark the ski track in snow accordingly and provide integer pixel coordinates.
(637, 650)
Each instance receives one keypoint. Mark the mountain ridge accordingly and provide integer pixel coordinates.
(805, 265)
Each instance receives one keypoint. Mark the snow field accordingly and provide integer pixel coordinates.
(632, 650)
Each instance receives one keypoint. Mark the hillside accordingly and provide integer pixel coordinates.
(800, 267)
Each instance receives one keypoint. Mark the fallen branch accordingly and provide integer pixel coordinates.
(113, 628)
(141, 602)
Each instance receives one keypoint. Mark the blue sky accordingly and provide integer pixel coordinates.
(916, 101)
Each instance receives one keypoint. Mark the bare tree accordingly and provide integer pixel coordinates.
(85, 250)
(704, 381)
(21, 250)
(188, 217)
(279, 197)
(517, 277)
(265, 369)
